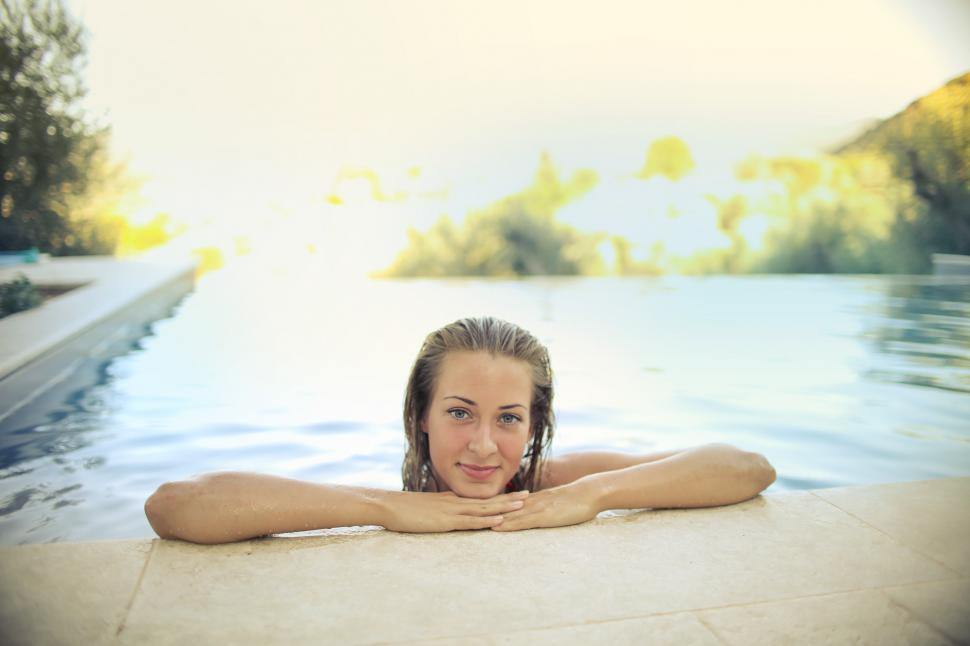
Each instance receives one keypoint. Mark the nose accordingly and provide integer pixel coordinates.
(481, 442)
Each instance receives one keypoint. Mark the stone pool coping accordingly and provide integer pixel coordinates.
(44, 345)
(876, 564)
(107, 285)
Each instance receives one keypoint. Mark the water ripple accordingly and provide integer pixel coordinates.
(837, 380)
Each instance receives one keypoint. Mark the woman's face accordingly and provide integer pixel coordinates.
(478, 422)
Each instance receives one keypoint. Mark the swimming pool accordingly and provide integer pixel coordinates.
(293, 371)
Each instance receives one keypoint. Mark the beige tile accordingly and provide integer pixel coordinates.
(864, 617)
(682, 629)
(945, 605)
(382, 586)
(67, 593)
(930, 516)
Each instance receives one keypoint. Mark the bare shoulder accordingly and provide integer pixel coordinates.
(563, 469)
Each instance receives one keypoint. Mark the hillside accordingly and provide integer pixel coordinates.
(928, 143)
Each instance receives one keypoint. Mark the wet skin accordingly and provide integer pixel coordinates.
(478, 422)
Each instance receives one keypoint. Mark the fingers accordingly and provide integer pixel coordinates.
(512, 525)
(505, 497)
(492, 506)
(522, 519)
(479, 522)
(531, 515)
(530, 521)
(490, 513)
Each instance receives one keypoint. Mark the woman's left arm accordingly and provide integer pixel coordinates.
(705, 476)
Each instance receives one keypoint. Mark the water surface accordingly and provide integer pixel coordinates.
(292, 371)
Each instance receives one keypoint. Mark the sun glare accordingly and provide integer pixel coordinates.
(309, 128)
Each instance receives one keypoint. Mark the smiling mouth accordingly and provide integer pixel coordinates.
(477, 472)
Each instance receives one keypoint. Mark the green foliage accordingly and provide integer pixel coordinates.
(18, 295)
(626, 265)
(882, 204)
(669, 157)
(47, 147)
(851, 222)
(928, 144)
(844, 214)
(515, 236)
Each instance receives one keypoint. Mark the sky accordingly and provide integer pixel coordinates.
(233, 111)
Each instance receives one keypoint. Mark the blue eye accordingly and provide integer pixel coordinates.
(509, 418)
(458, 413)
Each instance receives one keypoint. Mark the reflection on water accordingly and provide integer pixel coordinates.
(838, 380)
(922, 332)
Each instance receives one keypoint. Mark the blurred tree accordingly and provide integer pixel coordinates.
(47, 146)
(518, 235)
(928, 144)
(882, 203)
(669, 157)
(736, 258)
(828, 214)
(18, 295)
(624, 264)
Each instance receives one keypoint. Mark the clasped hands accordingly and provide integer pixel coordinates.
(442, 512)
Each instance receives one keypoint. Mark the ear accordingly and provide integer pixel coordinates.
(423, 426)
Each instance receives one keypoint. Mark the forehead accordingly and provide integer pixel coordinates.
(482, 376)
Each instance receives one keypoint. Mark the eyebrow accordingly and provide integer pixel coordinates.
(471, 403)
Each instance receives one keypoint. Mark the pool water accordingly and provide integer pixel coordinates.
(293, 371)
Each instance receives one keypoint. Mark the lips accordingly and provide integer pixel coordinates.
(477, 472)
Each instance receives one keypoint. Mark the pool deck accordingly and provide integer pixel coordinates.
(60, 345)
(879, 564)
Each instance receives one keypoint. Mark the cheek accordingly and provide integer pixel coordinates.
(444, 442)
(512, 447)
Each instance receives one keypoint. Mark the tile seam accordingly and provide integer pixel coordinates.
(690, 611)
(774, 600)
(895, 586)
(890, 536)
(915, 615)
(137, 588)
(710, 629)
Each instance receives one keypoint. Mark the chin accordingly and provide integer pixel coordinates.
(466, 490)
(479, 492)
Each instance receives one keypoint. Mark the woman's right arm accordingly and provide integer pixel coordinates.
(229, 506)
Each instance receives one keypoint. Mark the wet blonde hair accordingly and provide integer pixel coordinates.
(485, 334)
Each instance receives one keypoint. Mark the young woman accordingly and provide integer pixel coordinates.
(478, 419)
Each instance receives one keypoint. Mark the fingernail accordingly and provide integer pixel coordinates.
(521, 494)
(517, 504)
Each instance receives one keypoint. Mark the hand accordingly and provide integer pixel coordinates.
(568, 504)
(408, 511)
